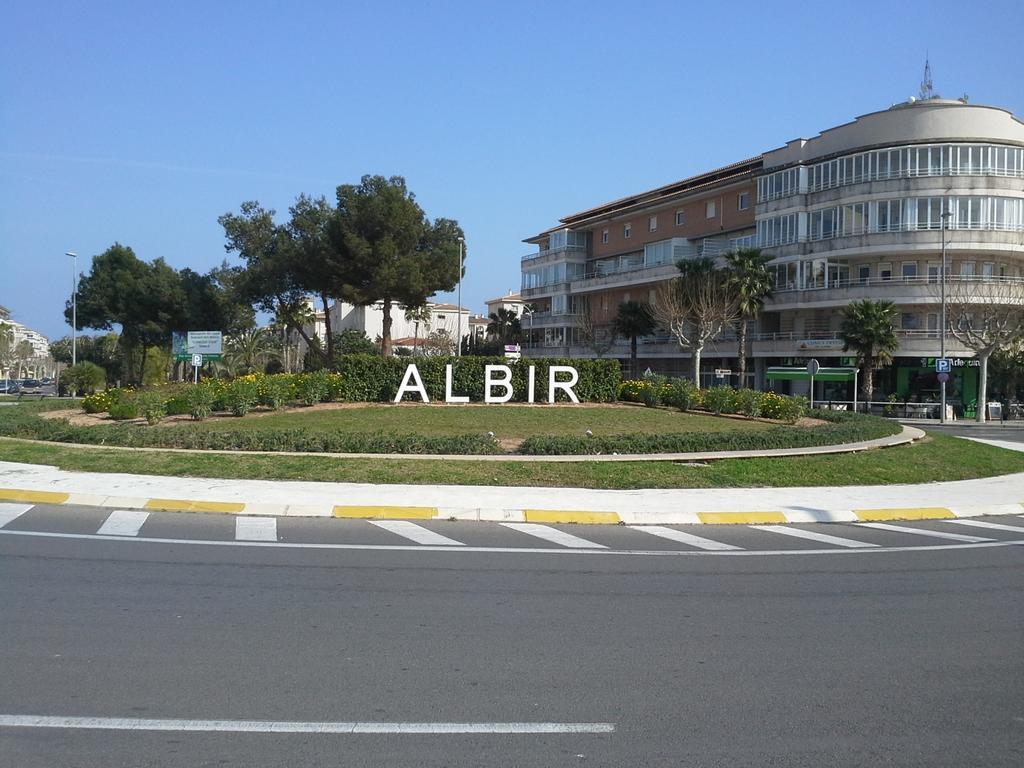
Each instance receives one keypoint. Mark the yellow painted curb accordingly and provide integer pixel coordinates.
(39, 497)
(741, 518)
(582, 517)
(909, 513)
(185, 505)
(387, 513)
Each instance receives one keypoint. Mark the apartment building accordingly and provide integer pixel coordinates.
(854, 212)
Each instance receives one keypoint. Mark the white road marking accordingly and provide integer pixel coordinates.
(986, 524)
(256, 528)
(9, 512)
(986, 544)
(684, 538)
(123, 522)
(553, 535)
(824, 538)
(924, 532)
(416, 533)
(285, 726)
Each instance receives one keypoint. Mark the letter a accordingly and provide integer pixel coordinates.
(412, 372)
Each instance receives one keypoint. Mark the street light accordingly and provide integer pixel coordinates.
(74, 305)
(942, 331)
(458, 341)
(528, 311)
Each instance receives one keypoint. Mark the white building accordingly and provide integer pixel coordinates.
(39, 364)
(512, 301)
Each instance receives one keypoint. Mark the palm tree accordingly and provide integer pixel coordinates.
(867, 330)
(23, 352)
(634, 319)
(504, 325)
(250, 351)
(417, 315)
(751, 284)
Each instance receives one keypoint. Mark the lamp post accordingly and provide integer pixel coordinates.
(528, 311)
(458, 341)
(942, 330)
(74, 305)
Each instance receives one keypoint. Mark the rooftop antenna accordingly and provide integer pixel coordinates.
(927, 91)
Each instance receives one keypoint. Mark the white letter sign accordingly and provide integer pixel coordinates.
(490, 382)
(565, 386)
(412, 372)
(448, 396)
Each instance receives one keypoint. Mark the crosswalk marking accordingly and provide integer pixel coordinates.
(924, 532)
(123, 522)
(684, 538)
(986, 524)
(256, 528)
(9, 512)
(554, 535)
(824, 538)
(416, 533)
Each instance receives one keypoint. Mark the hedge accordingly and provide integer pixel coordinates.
(843, 427)
(27, 424)
(371, 378)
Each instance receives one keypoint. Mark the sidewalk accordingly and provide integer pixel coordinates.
(39, 484)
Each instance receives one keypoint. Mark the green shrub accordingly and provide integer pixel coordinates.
(312, 388)
(748, 402)
(153, 406)
(123, 410)
(200, 400)
(241, 395)
(178, 404)
(277, 390)
(682, 394)
(717, 399)
(781, 407)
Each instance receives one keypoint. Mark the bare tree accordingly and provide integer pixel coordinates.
(696, 307)
(438, 343)
(985, 315)
(594, 332)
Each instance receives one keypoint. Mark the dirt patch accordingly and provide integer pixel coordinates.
(807, 421)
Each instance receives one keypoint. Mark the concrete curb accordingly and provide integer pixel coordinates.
(908, 435)
(29, 483)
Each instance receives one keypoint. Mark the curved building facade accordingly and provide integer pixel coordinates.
(858, 211)
(861, 211)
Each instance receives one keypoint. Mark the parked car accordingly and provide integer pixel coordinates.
(8, 387)
(31, 387)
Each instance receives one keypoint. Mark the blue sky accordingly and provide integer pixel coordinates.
(141, 123)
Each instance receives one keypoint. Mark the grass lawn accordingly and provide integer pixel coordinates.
(937, 458)
(505, 421)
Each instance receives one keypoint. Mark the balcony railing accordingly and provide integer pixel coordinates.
(933, 280)
(550, 251)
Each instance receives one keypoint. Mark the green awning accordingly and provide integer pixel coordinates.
(800, 374)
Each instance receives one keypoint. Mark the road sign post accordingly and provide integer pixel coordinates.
(197, 361)
(812, 368)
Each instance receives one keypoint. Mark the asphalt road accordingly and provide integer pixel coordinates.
(782, 652)
(1010, 431)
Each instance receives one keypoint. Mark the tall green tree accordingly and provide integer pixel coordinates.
(397, 255)
(285, 263)
(6, 346)
(145, 299)
(750, 282)
(867, 330)
(633, 320)
(23, 352)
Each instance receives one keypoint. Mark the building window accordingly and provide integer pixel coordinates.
(710, 210)
(967, 269)
(743, 201)
(604, 235)
(627, 231)
(988, 270)
(885, 271)
(652, 224)
(909, 270)
(679, 218)
(864, 274)
(910, 321)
